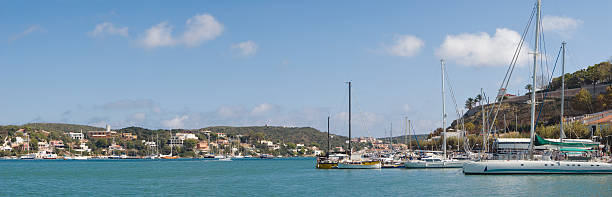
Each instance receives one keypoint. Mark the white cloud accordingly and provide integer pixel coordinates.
(560, 24)
(407, 108)
(406, 46)
(262, 109)
(247, 48)
(107, 28)
(139, 116)
(29, 30)
(199, 29)
(176, 122)
(129, 104)
(228, 112)
(159, 35)
(481, 49)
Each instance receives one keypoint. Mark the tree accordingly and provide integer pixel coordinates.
(528, 87)
(469, 126)
(469, 103)
(291, 145)
(582, 100)
(190, 144)
(478, 98)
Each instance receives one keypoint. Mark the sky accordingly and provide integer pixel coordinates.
(194, 64)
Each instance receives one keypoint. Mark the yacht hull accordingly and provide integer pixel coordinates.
(327, 165)
(536, 167)
(441, 164)
(360, 165)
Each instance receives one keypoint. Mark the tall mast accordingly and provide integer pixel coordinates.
(463, 134)
(328, 143)
(483, 122)
(391, 136)
(562, 134)
(349, 119)
(533, 82)
(443, 111)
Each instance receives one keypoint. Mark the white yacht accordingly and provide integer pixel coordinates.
(532, 166)
(536, 167)
(434, 161)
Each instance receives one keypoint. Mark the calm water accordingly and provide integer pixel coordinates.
(287, 177)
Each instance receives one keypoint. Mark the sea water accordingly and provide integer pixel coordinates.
(272, 177)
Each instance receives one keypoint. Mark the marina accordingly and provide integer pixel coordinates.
(308, 98)
(269, 177)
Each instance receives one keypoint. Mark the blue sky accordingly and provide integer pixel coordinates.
(160, 64)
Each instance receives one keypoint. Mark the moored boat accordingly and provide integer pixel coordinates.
(536, 167)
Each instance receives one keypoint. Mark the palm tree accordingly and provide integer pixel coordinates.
(477, 99)
(469, 103)
(528, 87)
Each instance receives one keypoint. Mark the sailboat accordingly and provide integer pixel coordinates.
(437, 161)
(325, 162)
(358, 162)
(532, 166)
(169, 156)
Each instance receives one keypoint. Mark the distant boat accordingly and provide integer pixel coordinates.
(80, 158)
(432, 160)
(266, 156)
(325, 162)
(349, 163)
(28, 156)
(169, 156)
(225, 159)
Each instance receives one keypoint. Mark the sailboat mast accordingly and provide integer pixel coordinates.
(391, 136)
(533, 82)
(562, 134)
(349, 119)
(443, 111)
(328, 144)
(484, 138)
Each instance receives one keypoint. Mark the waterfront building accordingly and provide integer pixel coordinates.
(76, 136)
(128, 136)
(202, 146)
(150, 144)
(179, 138)
(56, 143)
(102, 134)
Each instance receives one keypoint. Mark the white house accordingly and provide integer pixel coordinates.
(76, 136)
(179, 138)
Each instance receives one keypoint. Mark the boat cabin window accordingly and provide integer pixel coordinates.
(591, 164)
(597, 165)
(567, 164)
(522, 164)
(578, 164)
(545, 164)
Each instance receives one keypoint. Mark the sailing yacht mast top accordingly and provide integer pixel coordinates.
(443, 110)
(562, 133)
(349, 119)
(533, 82)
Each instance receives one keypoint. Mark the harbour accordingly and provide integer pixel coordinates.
(186, 177)
(269, 98)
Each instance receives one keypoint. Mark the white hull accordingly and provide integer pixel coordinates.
(536, 167)
(80, 158)
(358, 166)
(434, 164)
(225, 159)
